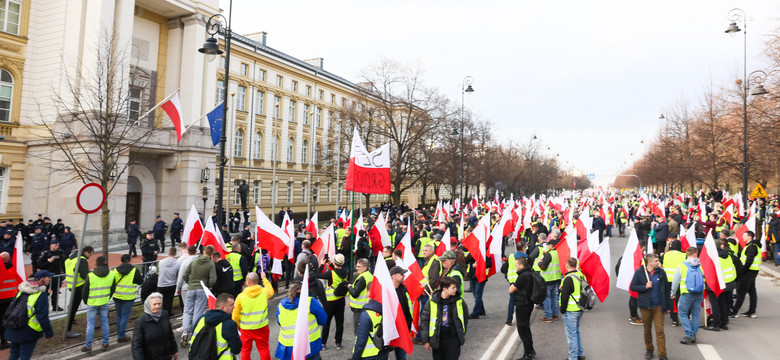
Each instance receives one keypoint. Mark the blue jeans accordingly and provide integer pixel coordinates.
(477, 288)
(22, 351)
(92, 312)
(123, 309)
(551, 306)
(400, 354)
(690, 304)
(194, 307)
(571, 320)
(511, 309)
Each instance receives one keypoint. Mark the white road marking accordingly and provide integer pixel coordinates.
(509, 346)
(708, 351)
(498, 341)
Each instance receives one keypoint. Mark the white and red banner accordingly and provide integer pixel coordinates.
(312, 225)
(301, 345)
(172, 108)
(378, 235)
(632, 260)
(710, 265)
(193, 229)
(368, 173)
(395, 332)
(596, 267)
(210, 298)
(18, 259)
(271, 237)
(211, 236)
(326, 245)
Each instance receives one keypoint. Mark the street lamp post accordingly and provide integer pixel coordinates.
(211, 47)
(734, 16)
(205, 193)
(465, 87)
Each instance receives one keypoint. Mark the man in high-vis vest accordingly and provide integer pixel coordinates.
(239, 265)
(334, 304)
(287, 315)
(24, 340)
(511, 276)
(397, 274)
(444, 320)
(73, 276)
(671, 260)
(98, 287)
(549, 267)
(690, 302)
(251, 315)
(127, 279)
(358, 291)
(367, 333)
(572, 314)
(751, 263)
(228, 339)
(731, 266)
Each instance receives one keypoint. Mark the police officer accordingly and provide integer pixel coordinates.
(38, 245)
(67, 241)
(159, 229)
(58, 229)
(7, 243)
(149, 249)
(177, 227)
(53, 260)
(133, 232)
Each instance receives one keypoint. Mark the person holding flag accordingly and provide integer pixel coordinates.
(228, 339)
(443, 321)
(751, 263)
(287, 315)
(370, 321)
(358, 291)
(731, 267)
(651, 285)
(251, 315)
(522, 287)
(335, 295)
(397, 273)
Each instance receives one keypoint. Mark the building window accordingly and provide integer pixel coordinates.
(258, 146)
(308, 90)
(289, 192)
(220, 92)
(261, 74)
(332, 98)
(222, 62)
(344, 102)
(328, 192)
(256, 186)
(317, 153)
(238, 146)
(9, 15)
(304, 151)
(318, 118)
(316, 193)
(244, 69)
(3, 181)
(277, 107)
(303, 193)
(339, 192)
(236, 199)
(279, 80)
(6, 95)
(259, 102)
(329, 154)
(294, 86)
(291, 150)
(241, 101)
(321, 95)
(274, 147)
(292, 111)
(330, 119)
(305, 114)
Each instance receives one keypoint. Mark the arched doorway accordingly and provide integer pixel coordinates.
(133, 203)
(141, 193)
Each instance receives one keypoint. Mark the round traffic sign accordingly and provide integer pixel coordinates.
(90, 198)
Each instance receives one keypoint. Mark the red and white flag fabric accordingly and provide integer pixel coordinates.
(728, 215)
(632, 260)
(596, 267)
(378, 235)
(566, 248)
(311, 226)
(368, 172)
(17, 260)
(326, 245)
(503, 228)
(172, 108)
(211, 236)
(412, 278)
(348, 220)
(395, 332)
(688, 239)
(270, 236)
(476, 244)
(444, 245)
(301, 345)
(288, 228)
(343, 221)
(749, 225)
(193, 229)
(210, 298)
(710, 266)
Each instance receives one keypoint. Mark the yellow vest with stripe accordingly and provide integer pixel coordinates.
(362, 298)
(756, 265)
(553, 271)
(287, 321)
(423, 241)
(330, 290)
(254, 311)
(435, 316)
(371, 349)
(672, 260)
(222, 345)
(340, 233)
(125, 289)
(235, 262)
(454, 273)
(100, 288)
(70, 272)
(734, 247)
(729, 271)
(683, 269)
(511, 273)
(572, 303)
(32, 321)
(427, 268)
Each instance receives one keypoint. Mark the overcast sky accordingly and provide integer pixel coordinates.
(589, 78)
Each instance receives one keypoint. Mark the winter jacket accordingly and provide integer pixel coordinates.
(125, 269)
(316, 309)
(200, 269)
(644, 296)
(153, 340)
(661, 231)
(724, 253)
(229, 328)
(425, 319)
(364, 329)
(184, 262)
(525, 287)
(57, 266)
(41, 307)
(224, 283)
(100, 271)
(251, 292)
(169, 272)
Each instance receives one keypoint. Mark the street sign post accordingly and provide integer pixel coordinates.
(759, 192)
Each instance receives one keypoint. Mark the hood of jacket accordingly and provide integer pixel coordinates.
(31, 287)
(101, 270)
(374, 306)
(693, 261)
(723, 253)
(124, 269)
(253, 291)
(202, 260)
(73, 254)
(290, 305)
(343, 273)
(216, 316)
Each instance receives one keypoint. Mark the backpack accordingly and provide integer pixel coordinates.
(694, 279)
(587, 296)
(205, 345)
(539, 292)
(16, 315)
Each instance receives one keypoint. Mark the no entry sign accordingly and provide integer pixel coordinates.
(90, 198)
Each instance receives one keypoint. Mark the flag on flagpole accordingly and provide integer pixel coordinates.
(172, 108)
(211, 236)
(215, 123)
(312, 225)
(632, 260)
(596, 267)
(710, 265)
(413, 278)
(18, 259)
(193, 229)
(395, 332)
(212, 300)
(368, 172)
(270, 236)
(301, 345)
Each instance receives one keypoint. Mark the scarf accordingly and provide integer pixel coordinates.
(148, 309)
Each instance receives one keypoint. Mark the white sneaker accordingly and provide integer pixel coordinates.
(180, 329)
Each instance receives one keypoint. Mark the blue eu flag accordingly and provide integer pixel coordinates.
(215, 123)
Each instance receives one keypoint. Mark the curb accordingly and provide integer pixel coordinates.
(770, 271)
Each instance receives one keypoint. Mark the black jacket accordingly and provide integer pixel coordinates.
(644, 296)
(148, 247)
(100, 271)
(425, 318)
(177, 226)
(525, 286)
(224, 282)
(153, 340)
(57, 266)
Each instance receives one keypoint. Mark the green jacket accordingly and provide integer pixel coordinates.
(200, 269)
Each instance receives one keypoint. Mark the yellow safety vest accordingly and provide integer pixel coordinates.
(222, 345)
(435, 316)
(70, 272)
(32, 321)
(672, 260)
(683, 269)
(287, 321)
(100, 288)
(340, 233)
(756, 265)
(371, 349)
(456, 274)
(729, 271)
(362, 298)
(734, 247)
(125, 289)
(553, 271)
(572, 303)
(427, 268)
(511, 272)
(235, 262)
(329, 292)
(423, 241)
(254, 311)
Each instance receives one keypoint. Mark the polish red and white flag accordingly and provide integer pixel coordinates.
(210, 298)
(378, 235)
(710, 265)
(326, 245)
(444, 245)
(632, 260)
(395, 332)
(368, 172)
(476, 243)
(688, 238)
(343, 220)
(596, 267)
(211, 236)
(311, 226)
(17, 260)
(288, 228)
(172, 108)
(301, 344)
(412, 278)
(193, 229)
(270, 236)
